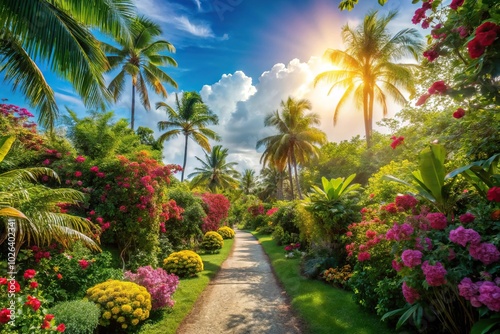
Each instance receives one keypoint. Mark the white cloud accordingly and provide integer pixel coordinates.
(199, 30)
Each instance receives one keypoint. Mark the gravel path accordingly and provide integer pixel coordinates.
(243, 298)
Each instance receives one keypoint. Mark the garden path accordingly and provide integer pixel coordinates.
(244, 297)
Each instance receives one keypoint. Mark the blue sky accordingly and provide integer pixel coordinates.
(244, 57)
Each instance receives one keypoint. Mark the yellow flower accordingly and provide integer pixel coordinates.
(126, 308)
(56, 269)
(140, 298)
(106, 315)
(138, 313)
(110, 304)
(115, 310)
(135, 321)
(124, 326)
(121, 319)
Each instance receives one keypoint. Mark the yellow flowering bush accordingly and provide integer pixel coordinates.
(226, 232)
(185, 263)
(122, 303)
(212, 241)
(338, 276)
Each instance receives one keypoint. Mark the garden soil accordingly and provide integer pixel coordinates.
(244, 297)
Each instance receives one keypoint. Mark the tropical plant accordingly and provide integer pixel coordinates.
(271, 185)
(70, 50)
(140, 58)
(296, 138)
(190, 119)
(248, 181)
(368, 69)
(216, 173)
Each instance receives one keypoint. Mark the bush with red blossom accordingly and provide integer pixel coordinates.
(217, 209)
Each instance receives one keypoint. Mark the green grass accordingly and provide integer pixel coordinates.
(323, 308)
(187, 293)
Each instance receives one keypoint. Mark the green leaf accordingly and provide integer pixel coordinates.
(432, 170)
(5, 145)
(407, 315)
(11, 212)
(484, 325)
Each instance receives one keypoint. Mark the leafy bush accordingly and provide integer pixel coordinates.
(226, 232)
(337, 276)
(79, 316)
(122, 303)
(212, 241)
(160, 285)
(185, 263)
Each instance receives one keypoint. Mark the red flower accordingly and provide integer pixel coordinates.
(431, 55)
(33, 302)
(397, 141)
(422, 99)
(494, 194)
(475, 48)
(49, 317)
(456, 3)
(488, 26)
(29, 274)
(4, 316)
(61, 328)
(45, 325)
(59, 276)
(459, 113)
(486, 38)
(363, 256)
(3, 281)
(33, 285)
(439, 87)
(79, 159)
(83, 264)
(78, 173)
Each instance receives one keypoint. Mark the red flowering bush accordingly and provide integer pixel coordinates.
(217, 209)
(160, 285)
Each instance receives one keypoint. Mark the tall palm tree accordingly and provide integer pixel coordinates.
(58, 33)
(140, 58)
(190, 119)
(28, 208)
(248, 181)
(272, 183)
(216, 173)
(368, 68)
(296, 138)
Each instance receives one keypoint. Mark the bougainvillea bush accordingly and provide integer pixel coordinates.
(217, 209)
(160, 285)
(445, 268)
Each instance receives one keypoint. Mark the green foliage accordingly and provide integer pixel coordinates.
(333, 189)
(226, 232)
(122, 303)
(79, 316)
(185, 263)
(382, 191)
(212, 242)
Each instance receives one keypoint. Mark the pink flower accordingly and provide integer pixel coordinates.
(396, 265)
(467, 288)
(411, 258)
(370, 234)
(406, 201)
(459, 113)
(399, 232)
(29, 274)
(363, 256)
(431, 55)
(485, 252)
(489, 295)
(397, 141)
(422, 99)
(123, 208)
(271, 211)
(411, 295)
(46, 162)
(79, 159)
(462, 32)
(101, 175)
(456, 3)
(466, 218)
(349, 234)
(94, 169)
(83, 264)
(434, 274)
(437, 220)
(462, 236)
(78, 173)
(438, 87)
(493, 194)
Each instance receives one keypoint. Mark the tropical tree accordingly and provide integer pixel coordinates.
(190, 119)
(140, 58)
(296, 138)
(30, 210)
(216, 173)
(368, 68)
(248, 181)
(271, 184)
(70, 50)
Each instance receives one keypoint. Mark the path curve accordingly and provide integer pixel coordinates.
(244, 297)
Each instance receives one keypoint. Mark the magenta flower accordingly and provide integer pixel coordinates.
(94, 169)
(485, 252)
(411, 295)
(489, 295)
(363, 256)
(466, 218)
(437, 220)
(463, 236)
(493, 194)
(80, 159)
(438, 87)
(422, 99)
(456, 3)
(406, 201)
(434, 274)
(411, 258)
(78, 173)
(459, 113)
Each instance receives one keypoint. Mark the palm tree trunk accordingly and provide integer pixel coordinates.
(370, 114)
(290, 178)
(366, 117)
(279, 190)
(132, 111)
(294, 161)
(185, 157)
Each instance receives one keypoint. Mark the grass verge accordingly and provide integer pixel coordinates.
(323, 308)
(187, 293)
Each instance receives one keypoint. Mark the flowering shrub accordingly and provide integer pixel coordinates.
(79, 316)
(185, 263)
(337, 276)
(159, 284)
(292, 250)
(23, 307)
(226, 232)
(122, 303)
(212, 241)
(217, 209)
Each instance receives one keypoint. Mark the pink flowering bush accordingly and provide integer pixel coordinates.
(160, 285)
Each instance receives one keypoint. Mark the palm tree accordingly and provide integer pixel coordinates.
(28, 208)
(296, 138)
(216, 173)
(140, 58)
(191, 119)
(272, 183)
(58, 33)
(368, 69)
(248, 181)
